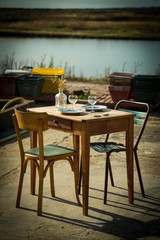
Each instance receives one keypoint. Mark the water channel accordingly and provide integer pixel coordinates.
(87, 57)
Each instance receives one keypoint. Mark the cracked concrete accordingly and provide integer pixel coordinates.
(62, 218)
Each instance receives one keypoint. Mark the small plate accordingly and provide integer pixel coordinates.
(72, 111)
(95, 107)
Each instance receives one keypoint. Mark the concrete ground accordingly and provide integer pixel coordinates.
(62, 218)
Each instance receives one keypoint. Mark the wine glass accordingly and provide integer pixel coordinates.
(92, 99)
(72, 99)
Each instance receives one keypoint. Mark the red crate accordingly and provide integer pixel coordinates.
(121, 74)
(8, 84)
(120, 79)
(119, 92)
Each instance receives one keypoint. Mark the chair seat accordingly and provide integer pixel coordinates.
(50, 150)
(106, 147)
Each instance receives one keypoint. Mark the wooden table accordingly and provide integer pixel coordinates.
(86, 125)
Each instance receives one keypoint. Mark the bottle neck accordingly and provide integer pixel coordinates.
(60, 90)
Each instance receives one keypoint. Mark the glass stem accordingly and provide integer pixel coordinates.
(92, 108)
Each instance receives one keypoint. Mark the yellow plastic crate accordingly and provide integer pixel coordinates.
(49, 74)
(48, 86)
(48, 71)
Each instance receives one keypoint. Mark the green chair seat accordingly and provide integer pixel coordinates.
(106, 147)
(50, 150)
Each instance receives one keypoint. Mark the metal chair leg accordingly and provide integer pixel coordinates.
(139, 173)
(111, 175)
(106, 178)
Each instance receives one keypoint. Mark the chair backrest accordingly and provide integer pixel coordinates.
(29, 121)
(32, 122)
(141, 116)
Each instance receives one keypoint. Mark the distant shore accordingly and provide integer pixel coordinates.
(128, 23)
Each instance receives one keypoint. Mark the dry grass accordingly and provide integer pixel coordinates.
(106, 23)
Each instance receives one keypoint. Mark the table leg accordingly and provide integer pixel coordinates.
(33, 143)
(76, 143)
(76, 163)
(85, 145)
(129, 159)
(76, 147)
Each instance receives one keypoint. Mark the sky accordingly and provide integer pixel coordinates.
(78, 3)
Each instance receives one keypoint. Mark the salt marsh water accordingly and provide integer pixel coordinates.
(87, 57)
(78, 3)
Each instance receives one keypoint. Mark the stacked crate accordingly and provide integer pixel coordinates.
(146, 88)
(9, 82)
(49, 74)
(120, 85)
(30, 86)
(8, 85)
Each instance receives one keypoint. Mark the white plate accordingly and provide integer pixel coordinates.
(95, 107)
(72, 111)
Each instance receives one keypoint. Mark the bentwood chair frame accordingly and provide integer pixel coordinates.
(109, 147)
(43, 156)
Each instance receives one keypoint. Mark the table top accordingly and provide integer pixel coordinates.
(85, 116)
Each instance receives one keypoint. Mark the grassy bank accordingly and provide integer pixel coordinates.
(143, 23)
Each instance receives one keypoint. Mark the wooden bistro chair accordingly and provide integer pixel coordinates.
(109, 147)
(43, 156)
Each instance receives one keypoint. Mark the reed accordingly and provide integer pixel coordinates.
(9, 62)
